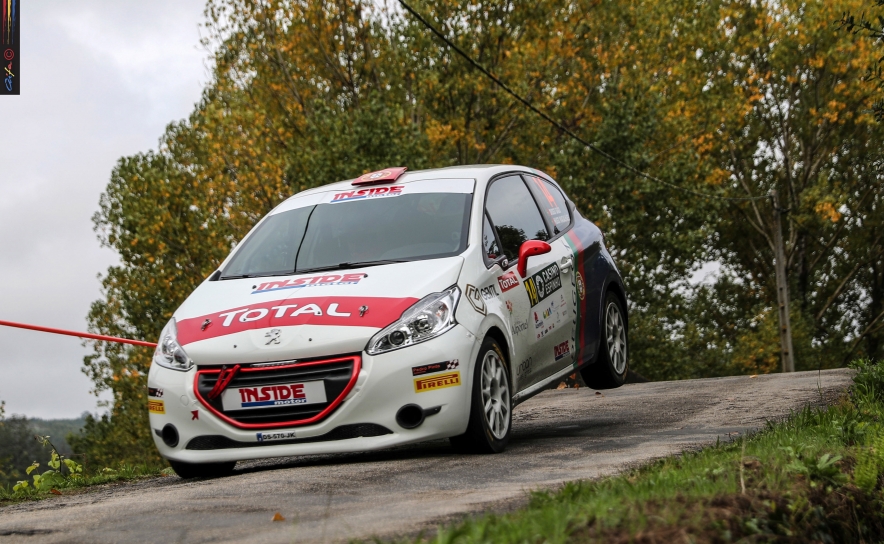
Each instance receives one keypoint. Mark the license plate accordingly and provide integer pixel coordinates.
(269, 396)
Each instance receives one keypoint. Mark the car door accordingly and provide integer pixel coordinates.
(557, 216)
(539, 321)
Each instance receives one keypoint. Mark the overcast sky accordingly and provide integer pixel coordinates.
(99, 80)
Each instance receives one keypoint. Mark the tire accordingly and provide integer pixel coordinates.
(488, 431)
(202, 470)
(612, 364)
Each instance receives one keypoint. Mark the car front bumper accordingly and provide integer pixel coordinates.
(384, 385)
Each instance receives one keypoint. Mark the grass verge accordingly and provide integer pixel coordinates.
(816, 477)
(72, 485)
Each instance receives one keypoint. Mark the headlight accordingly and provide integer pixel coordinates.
(169, 352)
(428, 318)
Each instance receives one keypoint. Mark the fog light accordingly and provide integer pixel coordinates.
(410, 416)
(170, 435)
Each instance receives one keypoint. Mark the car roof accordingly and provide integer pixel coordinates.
(482, 173)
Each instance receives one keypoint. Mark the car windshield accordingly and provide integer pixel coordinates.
(355, 231)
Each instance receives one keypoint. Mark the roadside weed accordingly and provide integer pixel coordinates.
(65, 473)
(62, 472)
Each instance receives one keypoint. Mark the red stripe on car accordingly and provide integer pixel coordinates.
(581, 316)
(327, 311)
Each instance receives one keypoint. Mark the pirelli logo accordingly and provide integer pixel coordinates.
(441, 381)
(156, 407)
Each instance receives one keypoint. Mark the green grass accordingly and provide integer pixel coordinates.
(123, 473)
(815, 477)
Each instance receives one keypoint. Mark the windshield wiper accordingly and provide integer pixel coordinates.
(342, 266)
(238, 277)
(257, 275)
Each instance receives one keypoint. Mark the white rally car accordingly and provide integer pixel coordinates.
(390, 309)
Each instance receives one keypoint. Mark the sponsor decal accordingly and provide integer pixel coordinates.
(375, 175)
(194, 414)
(477, 301)
(269, 437)
(246, 398)
(542, 186)
(441, 381)
(558, 215)
(508, 281)
(550, 315)
(543, 284)
(541, 327)
(361, 194)
(509, 307)
(562, 309)
(156, 407)
(331, 311)
(519, 327)
(561, 350)
(524, 367)
(390, 174)
(309, 281)
(581, 288)
(154, 392)
(435, 367)
(489, 292)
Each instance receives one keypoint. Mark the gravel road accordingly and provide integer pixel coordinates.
(558, 436)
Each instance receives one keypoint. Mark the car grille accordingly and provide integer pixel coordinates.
(338, 375)
(344, 432)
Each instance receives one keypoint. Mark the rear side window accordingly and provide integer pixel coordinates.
(514, 214)
(552, 202)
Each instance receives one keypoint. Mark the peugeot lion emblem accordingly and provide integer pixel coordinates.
(272, 336)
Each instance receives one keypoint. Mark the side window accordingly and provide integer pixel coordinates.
(552, 202)
(489, 241)
(514, 214)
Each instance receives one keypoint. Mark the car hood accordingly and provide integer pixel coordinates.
(280, 318)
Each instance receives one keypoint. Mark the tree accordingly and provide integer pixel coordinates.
(18, 448)
(728, 97)
(872, 29)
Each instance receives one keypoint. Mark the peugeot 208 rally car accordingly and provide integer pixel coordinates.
(390, 309)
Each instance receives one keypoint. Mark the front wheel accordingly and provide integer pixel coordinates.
(491, 414)
(202, 470)
(612, 364)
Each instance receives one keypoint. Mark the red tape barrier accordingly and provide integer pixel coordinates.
(79, 334)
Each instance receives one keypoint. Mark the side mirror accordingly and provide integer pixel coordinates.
(530, 249)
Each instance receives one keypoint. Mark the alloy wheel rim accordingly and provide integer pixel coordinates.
(616, 336)
(495, 395)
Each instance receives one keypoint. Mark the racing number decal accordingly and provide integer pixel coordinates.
(533, 300)
(543, 284)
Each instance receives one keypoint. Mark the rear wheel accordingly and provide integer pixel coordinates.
(202, 470)
(491, 414)
(612, 364)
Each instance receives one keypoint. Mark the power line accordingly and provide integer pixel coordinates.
(558, 125)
